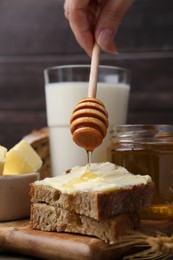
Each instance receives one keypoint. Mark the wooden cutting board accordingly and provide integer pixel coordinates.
(17, 236)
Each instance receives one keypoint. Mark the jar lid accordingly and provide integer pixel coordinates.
(145, 133)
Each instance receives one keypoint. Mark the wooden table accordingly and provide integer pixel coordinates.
(18, 237)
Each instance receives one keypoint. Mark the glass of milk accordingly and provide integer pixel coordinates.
(65, 86)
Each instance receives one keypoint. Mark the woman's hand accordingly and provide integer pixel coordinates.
(94, 20)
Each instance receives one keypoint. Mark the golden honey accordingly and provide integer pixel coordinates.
(147, 149)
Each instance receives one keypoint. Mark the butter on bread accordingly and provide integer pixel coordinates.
(93, 200)
(106, 194)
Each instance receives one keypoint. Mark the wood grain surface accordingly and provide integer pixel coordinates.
(18, 237)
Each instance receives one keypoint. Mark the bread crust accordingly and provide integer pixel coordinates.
(49, 218)
(96, 205)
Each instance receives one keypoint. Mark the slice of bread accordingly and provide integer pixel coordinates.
(97, 205)
(49, 218)
(108, 190)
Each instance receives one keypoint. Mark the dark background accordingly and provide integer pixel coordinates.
(34, 35)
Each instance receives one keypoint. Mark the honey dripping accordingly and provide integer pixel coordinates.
(89, 155)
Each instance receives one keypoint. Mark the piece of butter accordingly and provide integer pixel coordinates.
(3, 152)
(22, 159)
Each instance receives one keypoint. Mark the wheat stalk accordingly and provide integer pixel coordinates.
(156, 248)
(161, 243)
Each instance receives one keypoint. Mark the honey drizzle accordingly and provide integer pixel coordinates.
(89, 155)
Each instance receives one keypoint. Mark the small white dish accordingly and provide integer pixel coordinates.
(14, 196)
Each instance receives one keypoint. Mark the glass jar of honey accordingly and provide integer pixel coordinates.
(147, 150)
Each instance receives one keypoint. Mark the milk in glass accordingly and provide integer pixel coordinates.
(61, 99)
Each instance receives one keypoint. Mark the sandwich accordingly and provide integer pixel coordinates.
(101, 200)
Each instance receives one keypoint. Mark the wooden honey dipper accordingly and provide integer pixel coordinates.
(89, 120)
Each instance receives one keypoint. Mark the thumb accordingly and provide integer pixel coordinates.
(109, 19)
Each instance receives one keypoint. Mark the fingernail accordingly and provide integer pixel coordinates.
(105, 41)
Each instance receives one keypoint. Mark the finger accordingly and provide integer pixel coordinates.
(66, 9)
(109, 19)
(80, 21)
